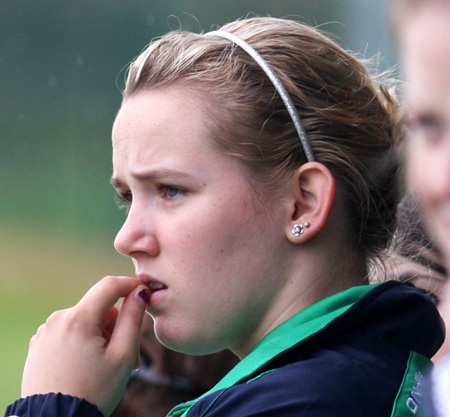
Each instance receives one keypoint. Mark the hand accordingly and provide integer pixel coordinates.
(89, 350)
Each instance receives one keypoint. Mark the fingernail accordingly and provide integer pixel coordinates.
(144, 295)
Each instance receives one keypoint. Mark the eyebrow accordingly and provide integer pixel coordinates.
(166, 174)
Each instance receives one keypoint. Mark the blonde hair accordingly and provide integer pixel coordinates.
(348, 116)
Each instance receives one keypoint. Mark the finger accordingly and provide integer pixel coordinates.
(109, 319)
(104, 295)
(127, 330)
(106, 335)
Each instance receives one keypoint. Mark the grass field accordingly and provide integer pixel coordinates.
(43, 271)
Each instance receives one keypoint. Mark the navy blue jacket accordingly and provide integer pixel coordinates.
(365, 359)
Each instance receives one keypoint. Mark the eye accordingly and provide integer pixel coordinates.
(123, 200)
(427, 126)
(170, 192)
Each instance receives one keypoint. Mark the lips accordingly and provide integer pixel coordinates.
(158, 293)
(151, 283)
(155, 286)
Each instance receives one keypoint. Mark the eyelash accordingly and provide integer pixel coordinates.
(124, 200)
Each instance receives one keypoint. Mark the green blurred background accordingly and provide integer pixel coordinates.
(61, 70)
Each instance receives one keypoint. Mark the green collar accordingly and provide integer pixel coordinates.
(288, 334)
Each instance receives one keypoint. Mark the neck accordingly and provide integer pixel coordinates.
(321, 266)
(321, 274)
(314, 276)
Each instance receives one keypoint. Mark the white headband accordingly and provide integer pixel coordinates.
(277, 84)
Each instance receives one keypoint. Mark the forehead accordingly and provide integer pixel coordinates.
(425, 51)
(160, 109)
(170, 117)
(167, 130)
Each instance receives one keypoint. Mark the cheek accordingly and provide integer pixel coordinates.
(210, 239)
(418, 171)
(219, 238)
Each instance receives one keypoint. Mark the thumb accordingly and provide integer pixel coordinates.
(127, 330)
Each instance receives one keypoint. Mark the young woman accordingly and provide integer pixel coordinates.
(255, 166)
(423, 36)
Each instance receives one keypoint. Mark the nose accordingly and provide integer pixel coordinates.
(137, 236)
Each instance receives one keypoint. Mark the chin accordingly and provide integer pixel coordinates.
(174, 337)
(184, 342)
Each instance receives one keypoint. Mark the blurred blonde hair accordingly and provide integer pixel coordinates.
(412, 255)
(350, 117)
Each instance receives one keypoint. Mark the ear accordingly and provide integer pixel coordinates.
(311, 195)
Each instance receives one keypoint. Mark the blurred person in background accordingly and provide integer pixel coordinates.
(412, 255)
(422, 32)
(255, 165)
(167, 378)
